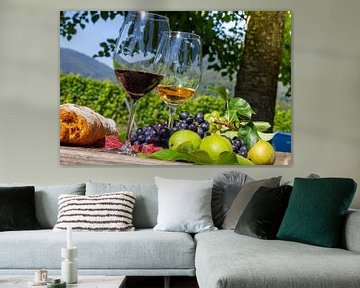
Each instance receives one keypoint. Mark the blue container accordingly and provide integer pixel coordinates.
(282, 142)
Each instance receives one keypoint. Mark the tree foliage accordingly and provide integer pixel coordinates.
(285, 65)
(282, 119)
(222, 45)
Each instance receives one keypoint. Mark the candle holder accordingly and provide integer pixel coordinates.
(69, 272)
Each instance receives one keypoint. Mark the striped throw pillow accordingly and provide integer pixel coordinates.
(105, 212)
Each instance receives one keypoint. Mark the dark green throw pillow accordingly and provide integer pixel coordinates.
(17, 208)
(263, 214)
(316, 211)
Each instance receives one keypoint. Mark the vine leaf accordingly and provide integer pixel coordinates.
(249, 134)
(239, 107)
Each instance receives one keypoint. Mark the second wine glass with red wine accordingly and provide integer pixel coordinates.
(139, 58)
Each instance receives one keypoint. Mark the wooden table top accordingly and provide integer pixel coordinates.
(102, 156)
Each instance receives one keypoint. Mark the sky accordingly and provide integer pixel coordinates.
(87, 41)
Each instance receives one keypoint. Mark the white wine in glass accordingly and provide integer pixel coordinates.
(175, 95)
(183, 70)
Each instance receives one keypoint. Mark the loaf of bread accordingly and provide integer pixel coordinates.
(81, 126)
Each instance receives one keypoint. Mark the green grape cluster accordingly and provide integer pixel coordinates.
(215, 119)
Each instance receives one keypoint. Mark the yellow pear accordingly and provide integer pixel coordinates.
(262, 153)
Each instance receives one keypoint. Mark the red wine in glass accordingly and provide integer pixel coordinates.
(137, 83)
(139, 58)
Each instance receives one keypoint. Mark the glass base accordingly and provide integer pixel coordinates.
(126, 149)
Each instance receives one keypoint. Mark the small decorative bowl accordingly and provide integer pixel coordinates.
(56, 283)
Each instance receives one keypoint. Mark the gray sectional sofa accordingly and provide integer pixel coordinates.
(218, 258)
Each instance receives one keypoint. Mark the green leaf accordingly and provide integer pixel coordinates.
(198, 157)
(266, 136)
(248, 133)
(231, 134)
(243, 161)
(222, 91)
(262, 126)
(95, 17)
(104, 15)
(185, 147)
(169, 155)
(239, 107)
(227, 158)
(201, 157)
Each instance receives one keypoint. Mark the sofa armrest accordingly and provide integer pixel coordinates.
(351, 234)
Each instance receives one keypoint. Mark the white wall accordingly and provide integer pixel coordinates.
(326, 85)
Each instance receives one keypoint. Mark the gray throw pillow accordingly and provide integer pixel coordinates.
(310, 176)
(226, 187)
(46, 200)
(184, 205)
(242, 199)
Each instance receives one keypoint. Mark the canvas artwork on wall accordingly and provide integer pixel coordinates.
(175, 88)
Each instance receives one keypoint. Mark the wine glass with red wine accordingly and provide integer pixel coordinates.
(183, 70)
(139, 57)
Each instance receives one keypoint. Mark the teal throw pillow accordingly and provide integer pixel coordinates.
(316, 211)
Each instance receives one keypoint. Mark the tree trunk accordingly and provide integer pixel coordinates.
(257, 76)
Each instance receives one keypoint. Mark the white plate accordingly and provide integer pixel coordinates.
(39, 283)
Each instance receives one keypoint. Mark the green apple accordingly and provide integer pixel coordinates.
(183, 136)
(214, 145)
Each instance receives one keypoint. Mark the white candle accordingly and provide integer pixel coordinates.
(69, 239)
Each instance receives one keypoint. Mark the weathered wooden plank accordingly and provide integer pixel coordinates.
(283, 158)
(92, 156)
(99, 156)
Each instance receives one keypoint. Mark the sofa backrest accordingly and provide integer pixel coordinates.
(146, 203)
(46, 200)
(351, 231)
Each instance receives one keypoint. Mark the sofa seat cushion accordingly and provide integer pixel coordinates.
(226, 259)
(141, 249)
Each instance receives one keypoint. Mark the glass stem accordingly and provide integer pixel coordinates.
(132, 104)
(172, 110)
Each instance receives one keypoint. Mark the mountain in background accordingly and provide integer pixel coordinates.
(72, 61)
(75, 62)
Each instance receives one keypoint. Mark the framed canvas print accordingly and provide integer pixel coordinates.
(175, 88)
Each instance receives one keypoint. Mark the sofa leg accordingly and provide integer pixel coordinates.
(167, 282)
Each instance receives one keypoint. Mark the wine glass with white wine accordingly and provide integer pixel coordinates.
(183, 70)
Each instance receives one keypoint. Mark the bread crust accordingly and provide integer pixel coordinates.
(81, 126)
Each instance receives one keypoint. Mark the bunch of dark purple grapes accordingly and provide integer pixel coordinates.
(186, 122)
(157, 134)
(239, 147)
